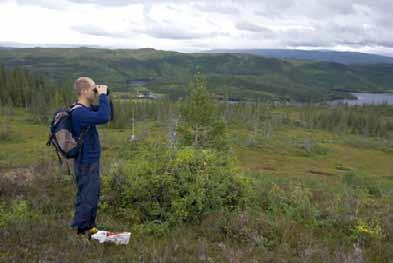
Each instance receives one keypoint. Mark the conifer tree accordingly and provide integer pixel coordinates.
(200, 123)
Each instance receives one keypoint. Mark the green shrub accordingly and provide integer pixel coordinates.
(294, 202)
(367, 184)
(159, 185)
(18, 210)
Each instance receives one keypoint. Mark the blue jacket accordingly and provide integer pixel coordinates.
(83, 117)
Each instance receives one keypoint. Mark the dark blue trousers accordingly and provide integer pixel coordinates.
(88, 182)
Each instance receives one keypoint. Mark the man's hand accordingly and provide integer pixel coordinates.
(102, 89)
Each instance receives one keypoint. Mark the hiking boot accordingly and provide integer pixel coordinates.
(91, 232)
(88, 232)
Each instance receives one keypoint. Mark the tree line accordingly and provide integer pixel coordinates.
(34, 92)
(40, 96)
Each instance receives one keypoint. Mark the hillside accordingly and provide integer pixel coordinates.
(313, 55)
(241, 76)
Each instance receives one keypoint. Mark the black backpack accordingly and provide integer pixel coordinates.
(61, 138)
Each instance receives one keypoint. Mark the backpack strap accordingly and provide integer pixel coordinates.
(49, 142)
(85, 130)
(82, 134)
(59, 157)
(75, 106)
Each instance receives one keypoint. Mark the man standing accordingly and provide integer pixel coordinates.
(87, 164)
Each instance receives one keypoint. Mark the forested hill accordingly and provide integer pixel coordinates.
(313, 55)
(242, 76)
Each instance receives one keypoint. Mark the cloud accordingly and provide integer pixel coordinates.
(216, 7)
(247, 26)
(24, 45)
(97, 31)
(177, 33)
(106, 2)
(56, 5)
(202, 24)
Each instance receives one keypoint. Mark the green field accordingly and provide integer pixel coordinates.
(316, 196)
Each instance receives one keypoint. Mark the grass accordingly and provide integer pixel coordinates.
(26, 143)
(319, 197)
(285, 154)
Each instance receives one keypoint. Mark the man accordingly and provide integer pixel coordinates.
(86, 165)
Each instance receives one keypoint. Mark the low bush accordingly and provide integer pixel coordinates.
(158, 185)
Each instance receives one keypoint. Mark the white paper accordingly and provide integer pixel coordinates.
(114, 237)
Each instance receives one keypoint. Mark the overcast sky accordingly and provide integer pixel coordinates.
(353, 25)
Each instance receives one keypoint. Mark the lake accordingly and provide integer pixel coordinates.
(367, 98)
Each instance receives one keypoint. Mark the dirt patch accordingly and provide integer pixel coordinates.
(19, 176)
(342, 168)
(24, 175)
(320, 173)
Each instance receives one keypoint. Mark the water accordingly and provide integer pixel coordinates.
(367, 98)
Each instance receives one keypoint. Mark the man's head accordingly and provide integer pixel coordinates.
(84, 89)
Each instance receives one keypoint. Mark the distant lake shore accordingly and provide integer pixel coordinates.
(361, 98)
(365, 99)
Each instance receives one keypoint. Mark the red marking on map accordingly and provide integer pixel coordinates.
(108, 233)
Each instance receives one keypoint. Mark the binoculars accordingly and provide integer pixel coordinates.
(110, 103)
(107, 91)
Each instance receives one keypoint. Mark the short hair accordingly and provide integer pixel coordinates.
(82, 83)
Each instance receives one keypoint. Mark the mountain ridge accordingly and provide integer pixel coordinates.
(342, 57)
(242, 76)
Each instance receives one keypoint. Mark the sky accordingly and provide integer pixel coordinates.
(191, 26)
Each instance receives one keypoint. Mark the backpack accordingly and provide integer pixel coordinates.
(60, 135)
